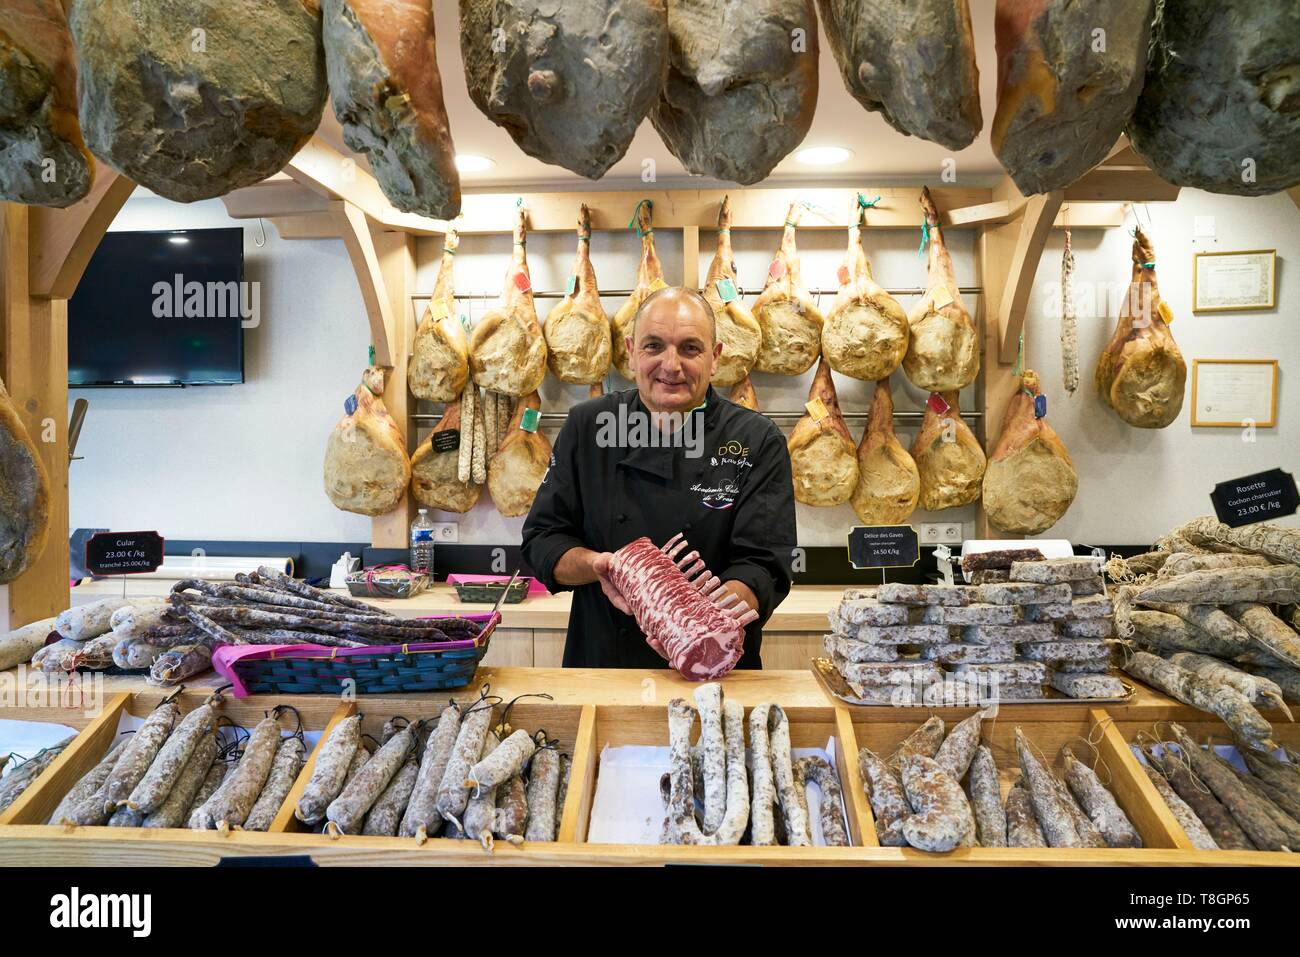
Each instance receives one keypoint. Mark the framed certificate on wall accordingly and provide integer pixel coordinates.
(1231, 282)
(1233, 393)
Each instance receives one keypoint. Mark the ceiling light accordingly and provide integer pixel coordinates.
(469, 163)
(178, 240)
(823, 155)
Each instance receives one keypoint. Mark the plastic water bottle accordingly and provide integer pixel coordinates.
(422, 544)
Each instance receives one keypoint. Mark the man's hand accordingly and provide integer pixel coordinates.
(600, 568)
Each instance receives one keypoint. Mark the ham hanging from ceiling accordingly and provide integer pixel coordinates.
(507, 350)
(382, 64)
(577, 329)
(741, 87)
(367, 470)
(24, 495)
(439, 365)
(889, 484)
(516, 471)
(570, 82)
(1141, 373)
(43, 159)
(738, 330)
(948, 457)
(912, 61)
(823, 459)
(1069, 75)
(866, 332)
(649, 278)
(944, 353)
(1220, 110)
(789, 320)
(195, 98)
(434, 479)
(1030, 480)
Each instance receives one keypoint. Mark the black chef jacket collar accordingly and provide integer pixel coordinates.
(661, 461)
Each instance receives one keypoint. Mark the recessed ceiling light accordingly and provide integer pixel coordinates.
(823, 155)
(469, 163)
(178, 240)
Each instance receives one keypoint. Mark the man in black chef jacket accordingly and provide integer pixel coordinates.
(670, 456)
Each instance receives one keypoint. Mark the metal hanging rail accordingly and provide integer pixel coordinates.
(624, 293)
(788, 418)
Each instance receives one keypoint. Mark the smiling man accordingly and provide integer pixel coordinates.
(670, 456)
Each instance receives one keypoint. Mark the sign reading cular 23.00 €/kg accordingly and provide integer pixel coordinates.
(124, 553)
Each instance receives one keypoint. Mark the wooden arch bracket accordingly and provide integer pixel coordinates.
(63, 240)
(355, 230)
(1035, 225)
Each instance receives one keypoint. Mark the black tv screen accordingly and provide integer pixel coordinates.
(162, 309)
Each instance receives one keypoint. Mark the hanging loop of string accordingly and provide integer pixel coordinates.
(925, 234)
(636, 218)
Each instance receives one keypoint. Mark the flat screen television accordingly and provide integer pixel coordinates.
(161, 309)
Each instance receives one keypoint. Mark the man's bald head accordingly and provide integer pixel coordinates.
(681, 298)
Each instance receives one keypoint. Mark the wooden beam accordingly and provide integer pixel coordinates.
(1040, 212)
(365, 262)
(307, 226)
(691, 257)
(326, 171)
(1122, 184)
(274, 197)
(63, 240)
(396, 252)
(1294, 193)
(998, 211)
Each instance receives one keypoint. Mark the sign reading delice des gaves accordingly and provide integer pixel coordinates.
(1262, 497)
(883, 546)
(124, 553)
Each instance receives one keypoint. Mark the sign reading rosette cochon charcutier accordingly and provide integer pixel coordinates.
(883, 546)
(1262, 497)
(124, 553)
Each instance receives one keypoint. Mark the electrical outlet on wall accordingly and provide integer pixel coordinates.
(446, 532)
(941, 533)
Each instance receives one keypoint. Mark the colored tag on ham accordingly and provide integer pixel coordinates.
(522, 282)
(1040, 406)
(817, 409)
(438, 308)
(350, 405)
(777, 269)
(843, 275)
(727, 290)
(464, 322)
(572, 286)
(942, 297)
(937, 403)
(657, 284)
(531, 420)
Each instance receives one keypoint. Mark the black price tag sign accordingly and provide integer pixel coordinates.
(448, 441)
(883, 546)
(1261, 497)
(124, 553)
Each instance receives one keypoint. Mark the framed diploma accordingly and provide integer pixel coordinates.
(1231, 282)
(1232, 393)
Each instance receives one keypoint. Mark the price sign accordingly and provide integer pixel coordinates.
(448, 441)
(1262, 497)
(883, 546)
(124, 553)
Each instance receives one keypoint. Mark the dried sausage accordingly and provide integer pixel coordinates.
(763, 796)
(831, 811)
(943, 819)
(792, 811)
(681, 826)
(888, 802)
(480, 809)
(453, 796)
(1053, 814)
(288, 762)
(985, 799)
(955, 754)
(386, 814)
(149, 794)
(504, 762)
(421, 817)
(239, 792)
(171, 813)
(90, 783)
(543, 792)
(713, 755)
(509, 823)
(1023, 829)
(1101, 807)
(1226, 832)
(1191, 824)
(139, 754)
(346, 813)
(925, 740)
(333, 760)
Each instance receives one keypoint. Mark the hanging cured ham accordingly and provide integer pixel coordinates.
(195, 98)
(738, 330)
(948, 457)
(507, 350)
(515, 473)
(889, 484)
(382, 64)
(744, 395)
(434, 479)
(1141, 373)
(866, 333)
(1220, 109)
(43, 159)
(366, 467)
(1030, 480)
(570, 82)
(439, 364)
(24, 495)
(577, 329)
(1069, 75)
(741, 87)
(944, 353)
(823, 459)
(791, 324)
(913, 61)
(649, 278)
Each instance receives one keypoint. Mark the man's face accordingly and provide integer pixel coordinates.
(674, 354)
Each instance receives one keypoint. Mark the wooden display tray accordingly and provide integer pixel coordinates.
(584, 729)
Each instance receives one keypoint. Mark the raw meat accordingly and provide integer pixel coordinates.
(43, 159)
(944, 353)
(1221, 106)
(866, 331)
(791, 323)
(516, 472)
(741, 87)
(649, 278)
(439, 364)
(577, 329)
(366, 467)
(195, 98)
(1030, 480)
(570, 82)
(822, 456)
(1069, 75)
(744, 395)
(686, 614)
(913, 61)
(738, 330)
(507, 351)
(24, 495)
(889, 484)
(948, 457)
(434, 479)
(1141, 373)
